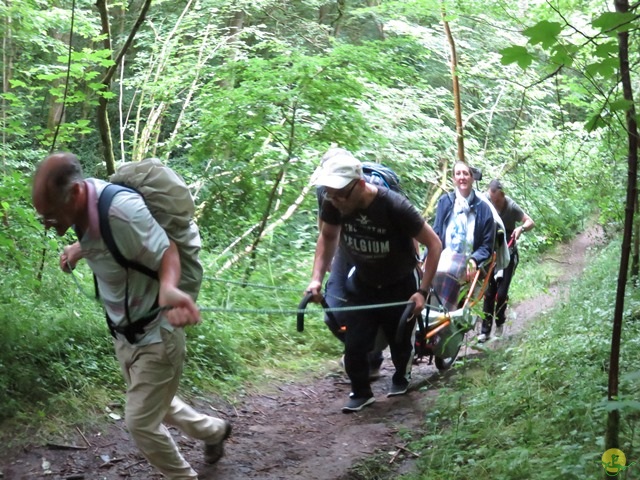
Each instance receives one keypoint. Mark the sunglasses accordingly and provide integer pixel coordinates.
(45, 220)
(342, 194)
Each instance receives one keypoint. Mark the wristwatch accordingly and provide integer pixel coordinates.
(423, 292)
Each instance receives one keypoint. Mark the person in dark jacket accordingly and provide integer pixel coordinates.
(465, 225)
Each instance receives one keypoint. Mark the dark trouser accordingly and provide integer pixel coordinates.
(497, 296)
(363, 326)
(336, 297)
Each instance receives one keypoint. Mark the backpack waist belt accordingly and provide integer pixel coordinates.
(131, 329)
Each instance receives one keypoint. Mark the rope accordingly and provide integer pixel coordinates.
(263, 311)
(82, 290)
(295, 311)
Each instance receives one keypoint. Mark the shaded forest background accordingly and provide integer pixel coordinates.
(242, 98)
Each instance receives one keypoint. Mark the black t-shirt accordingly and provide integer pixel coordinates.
(378, 239)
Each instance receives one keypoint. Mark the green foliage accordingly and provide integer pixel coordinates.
(590, 85)
(516, 54)
(56, 349)
(50, 345)
(515, 412)
(245, 113)
(611, 23)
(544, 33)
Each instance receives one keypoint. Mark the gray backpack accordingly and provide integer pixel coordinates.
(170, 202)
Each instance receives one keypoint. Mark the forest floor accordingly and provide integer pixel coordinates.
(296, 430)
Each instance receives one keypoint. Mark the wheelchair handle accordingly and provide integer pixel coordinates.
(303, 305)
(406, 315)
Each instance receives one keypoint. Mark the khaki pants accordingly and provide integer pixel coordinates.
(152, 373)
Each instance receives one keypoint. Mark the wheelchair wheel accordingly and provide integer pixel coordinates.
(446, 347)
(445, 363)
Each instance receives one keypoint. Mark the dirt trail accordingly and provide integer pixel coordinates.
(298, 431)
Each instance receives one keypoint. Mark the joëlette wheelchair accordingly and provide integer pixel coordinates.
(440, 331)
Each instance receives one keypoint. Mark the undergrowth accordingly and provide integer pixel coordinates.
(537, 409)
(58, 367)
(534, 410)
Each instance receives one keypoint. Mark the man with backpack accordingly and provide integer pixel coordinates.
(335, 292)
(375, 228)
(151, 356)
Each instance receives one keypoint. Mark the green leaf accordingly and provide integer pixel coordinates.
(606, 50)
(17, 83)
(605, 68)
(107, 95)
(614, 22)
(516, 54)
(562, 57)
(633, 405)
(594, 122)
(544, 32)
(620, 105)
(97, 86)
(631, 377)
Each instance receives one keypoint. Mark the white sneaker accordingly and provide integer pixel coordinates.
(482, 338)
(499, 330)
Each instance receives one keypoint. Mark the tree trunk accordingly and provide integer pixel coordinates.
(103, 115)
(337, 23)
(438, 189)
(248, 250)
(635, 260)
(104, 128)
(7, 62)
(613, 423)
(275, 191)
(204, 54)
(55, 114)
(323, 13)
(235, 26)
(456, 88)
(145, 143)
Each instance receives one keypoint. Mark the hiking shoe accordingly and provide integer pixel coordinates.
(499, 331)
(398, 389)
(482, 338)
(355, 404)
(214, 451)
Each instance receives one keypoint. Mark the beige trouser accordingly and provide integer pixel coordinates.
(152, 373)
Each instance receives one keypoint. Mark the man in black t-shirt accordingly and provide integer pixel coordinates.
(334, 294)
(375, 228)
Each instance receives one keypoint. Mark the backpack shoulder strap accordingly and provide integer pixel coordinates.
(104, 202)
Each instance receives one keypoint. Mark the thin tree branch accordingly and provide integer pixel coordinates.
(112, 69)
